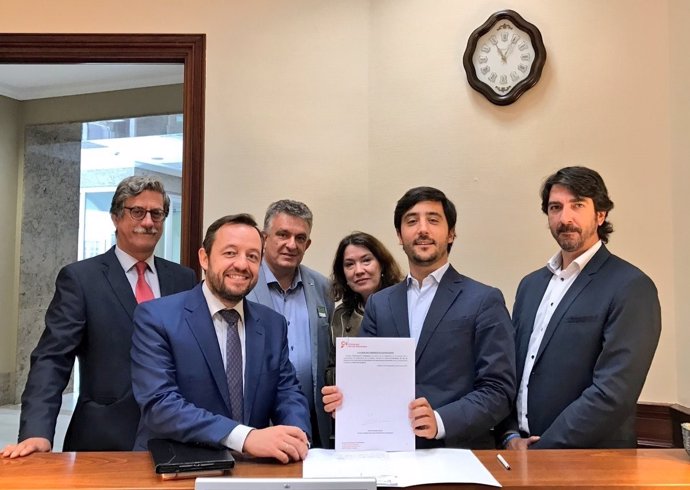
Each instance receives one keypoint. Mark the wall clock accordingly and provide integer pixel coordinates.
(504, 57)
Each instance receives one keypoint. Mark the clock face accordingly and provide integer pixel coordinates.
(503, 57)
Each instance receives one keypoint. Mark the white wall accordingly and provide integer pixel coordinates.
(346, 104)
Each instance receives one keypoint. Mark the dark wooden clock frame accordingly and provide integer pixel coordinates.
(522, 86)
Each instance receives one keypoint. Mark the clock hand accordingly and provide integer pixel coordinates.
(501, 53)
(509, 49)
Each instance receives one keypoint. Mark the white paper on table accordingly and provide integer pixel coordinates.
(376, 377)
(400, 469)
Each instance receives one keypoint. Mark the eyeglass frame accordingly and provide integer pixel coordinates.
(158, 211)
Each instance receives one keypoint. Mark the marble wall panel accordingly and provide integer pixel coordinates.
(50, 227)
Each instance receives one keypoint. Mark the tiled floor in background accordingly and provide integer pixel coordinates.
(9, 422)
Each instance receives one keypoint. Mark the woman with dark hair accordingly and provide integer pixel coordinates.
(362, 266)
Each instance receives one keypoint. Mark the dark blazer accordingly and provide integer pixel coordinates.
(316, 293)
(90, 317)
(464, 358)
(179, 379)
(594, 358)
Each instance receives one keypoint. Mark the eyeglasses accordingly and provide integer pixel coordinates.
(138, 213)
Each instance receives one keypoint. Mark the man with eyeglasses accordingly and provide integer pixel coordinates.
(90, 317)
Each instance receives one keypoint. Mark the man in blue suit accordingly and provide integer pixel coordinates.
(90, 317)
(302, 296)
(587, 326)
(465, 372)
(210, 367)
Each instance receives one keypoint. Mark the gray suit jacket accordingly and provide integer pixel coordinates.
(465, 357)
(594, 358)
(316, 292)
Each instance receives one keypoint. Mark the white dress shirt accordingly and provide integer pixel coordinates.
(419, 298)
(560, 282)
(150, 275)
(234, 440)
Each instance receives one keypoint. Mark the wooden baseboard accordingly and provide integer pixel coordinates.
(658, 424)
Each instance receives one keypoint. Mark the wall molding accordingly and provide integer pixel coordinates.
(658, 424)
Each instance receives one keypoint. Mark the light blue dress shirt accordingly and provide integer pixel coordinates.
(292, 304)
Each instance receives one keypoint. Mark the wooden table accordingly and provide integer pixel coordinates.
(630, 468)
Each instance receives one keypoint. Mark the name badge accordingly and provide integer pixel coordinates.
(321, 311)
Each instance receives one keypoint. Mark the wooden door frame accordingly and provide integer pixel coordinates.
(189, 49)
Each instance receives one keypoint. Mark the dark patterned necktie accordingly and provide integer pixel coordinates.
(233, 364)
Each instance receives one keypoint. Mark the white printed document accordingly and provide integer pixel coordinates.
(376, 378)
(400, 469)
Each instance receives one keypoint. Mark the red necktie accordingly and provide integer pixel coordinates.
(142, 291)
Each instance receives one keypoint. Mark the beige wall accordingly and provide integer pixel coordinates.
(679, 74)
(152, 101)
(347, 104)
(9, 136)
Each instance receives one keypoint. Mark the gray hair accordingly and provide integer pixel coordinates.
(133, 186)
(289, 207)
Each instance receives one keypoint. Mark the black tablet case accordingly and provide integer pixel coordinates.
(177, 457)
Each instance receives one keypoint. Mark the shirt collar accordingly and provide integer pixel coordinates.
(271, 278)
(127, 261)
(554, 264)
(437, 275)
(215, 305)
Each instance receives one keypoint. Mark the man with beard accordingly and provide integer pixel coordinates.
(587, 326)
(465, 371)
(90, 318)
(210, 367)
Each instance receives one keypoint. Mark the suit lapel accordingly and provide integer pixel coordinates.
(310, 298)
(398, 305)
(528, 314)
(254, 354)
(261, 293)
(200, 324)
(116, 277)
(166, 280)
(448, 290)
(580, 283)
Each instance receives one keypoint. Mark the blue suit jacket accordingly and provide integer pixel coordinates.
(594, 357)
(316, 293)
(464, 358)
(90, 317)
(178, 377)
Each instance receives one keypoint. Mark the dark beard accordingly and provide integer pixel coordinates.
(569, 244)
(222, 292)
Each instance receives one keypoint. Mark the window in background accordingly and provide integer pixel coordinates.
(115, 149)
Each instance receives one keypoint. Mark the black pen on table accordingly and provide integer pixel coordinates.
(503, 462)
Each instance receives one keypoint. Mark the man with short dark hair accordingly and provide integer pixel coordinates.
(90, 317)
(210, 367)
(587, 326)
(465, 371)
(301, 295)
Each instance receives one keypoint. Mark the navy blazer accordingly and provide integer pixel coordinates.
(465, 357)
(179, 381)
(90, 317)
(320, 309)
(594, 357)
